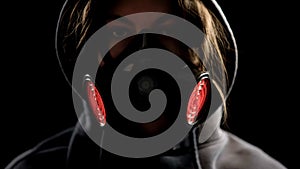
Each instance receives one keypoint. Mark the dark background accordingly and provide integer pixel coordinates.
(37, 101)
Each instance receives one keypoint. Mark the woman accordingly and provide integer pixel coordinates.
(93, 35)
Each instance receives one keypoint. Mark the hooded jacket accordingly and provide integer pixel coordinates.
(73, 148)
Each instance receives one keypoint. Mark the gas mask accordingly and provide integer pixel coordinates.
(100, 100)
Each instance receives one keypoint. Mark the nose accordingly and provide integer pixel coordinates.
(144, 39)
(147, 40)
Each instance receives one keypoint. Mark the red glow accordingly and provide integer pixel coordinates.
(197, 100)
(96, 103)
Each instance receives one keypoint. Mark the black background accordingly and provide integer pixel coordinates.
(37, 101)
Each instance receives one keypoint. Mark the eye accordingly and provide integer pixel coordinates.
(166, 26)
(119, 32)
(165, 32)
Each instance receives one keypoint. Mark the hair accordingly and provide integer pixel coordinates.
(80, 26)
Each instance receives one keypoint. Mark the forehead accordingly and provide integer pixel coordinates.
(126, 7)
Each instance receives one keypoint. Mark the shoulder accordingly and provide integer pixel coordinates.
(49, 153)
(240, 154)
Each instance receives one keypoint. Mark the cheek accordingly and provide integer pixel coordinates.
(117, 49)
(171, 45)
(175, 47)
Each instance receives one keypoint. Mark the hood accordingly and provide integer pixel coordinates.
(199, 134)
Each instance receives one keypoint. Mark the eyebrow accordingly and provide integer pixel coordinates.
(113, 17)
(125, 20)
(163, 19)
